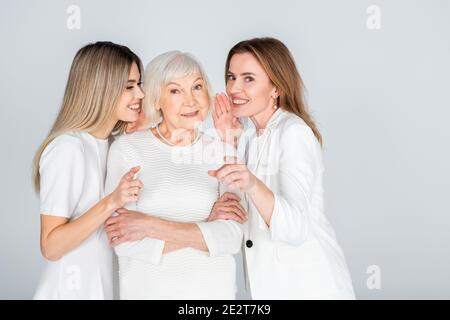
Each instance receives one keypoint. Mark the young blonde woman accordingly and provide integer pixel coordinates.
(102, 94)
(290, 248)
(167, 245)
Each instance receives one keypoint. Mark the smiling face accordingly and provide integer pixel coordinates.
(184, 102)
(249, 87)
(129, 104)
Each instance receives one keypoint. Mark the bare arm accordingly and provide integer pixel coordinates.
(59, 235)
(133, 225)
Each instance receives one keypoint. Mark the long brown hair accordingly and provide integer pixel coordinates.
(279, 65)
(97, 79)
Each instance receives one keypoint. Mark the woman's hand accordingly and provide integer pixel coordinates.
(228, 127)
(235, 174)
(228, 208)
(127, 190)
(127, 226)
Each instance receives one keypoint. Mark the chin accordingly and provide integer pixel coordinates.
(239, 113)
(130, 119)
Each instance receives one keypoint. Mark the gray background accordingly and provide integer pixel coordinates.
(380, 98)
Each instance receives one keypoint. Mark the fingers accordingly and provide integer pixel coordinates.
(217, 107)
(229, 196)
(228, 169)
(130, 174)
(136, 183)
(134, 191)
(223, 215)
(212, 173)
(232, 160)
(225, 102)
(236, 209)
(118, 240)
(114, 234)
(230, 206)
(220, 104)
(111, 228)
(231, 178)
(111, 221)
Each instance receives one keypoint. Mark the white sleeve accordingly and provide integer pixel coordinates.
(61, 170)
(223, 236)
(149, 250)
(299, 165)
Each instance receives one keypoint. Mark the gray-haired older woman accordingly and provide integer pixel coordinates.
(167, 246)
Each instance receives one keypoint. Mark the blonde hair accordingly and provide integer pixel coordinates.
(97, 79)
(277, 61)
(164, 69)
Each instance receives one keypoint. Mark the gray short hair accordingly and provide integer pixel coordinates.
(164, 69)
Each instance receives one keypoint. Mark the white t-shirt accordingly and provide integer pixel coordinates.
(72, 172)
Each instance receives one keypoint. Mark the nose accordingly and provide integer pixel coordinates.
(234, 87)
(189, 99)
(139, 94)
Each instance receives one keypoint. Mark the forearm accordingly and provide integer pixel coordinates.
(69, 235)
(263, 199)
(170, 246)
(178, 234)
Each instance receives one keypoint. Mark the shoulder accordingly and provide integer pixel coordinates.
(294, 130)
(124, 141)
(68, 145)
(64, 151)
(131, 137)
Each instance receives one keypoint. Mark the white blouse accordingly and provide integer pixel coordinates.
(177, 187)
(297, 255)
(72, 181)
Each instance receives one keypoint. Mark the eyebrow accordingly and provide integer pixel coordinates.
(131, 80)
(244, 74)
(177, 84)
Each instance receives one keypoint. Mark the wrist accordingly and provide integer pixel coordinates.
(110, 203)
(151, 226)
(255, 188)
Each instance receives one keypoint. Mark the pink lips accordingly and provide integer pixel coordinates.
(190, 114)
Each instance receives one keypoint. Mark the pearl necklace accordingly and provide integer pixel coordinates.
(173, 144)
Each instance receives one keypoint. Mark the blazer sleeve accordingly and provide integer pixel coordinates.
(223, 236)
(149, 250)
(300, 163)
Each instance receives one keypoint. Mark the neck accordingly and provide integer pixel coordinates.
(261, 119)
(177, 136)
(104, 131)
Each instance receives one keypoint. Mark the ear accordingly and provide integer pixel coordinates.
(275, 93)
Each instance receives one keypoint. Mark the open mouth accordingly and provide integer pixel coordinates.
(135, 108)
(190, 114)
(239, 102)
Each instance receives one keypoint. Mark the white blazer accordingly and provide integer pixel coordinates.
(71, 183)
(297, 257)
